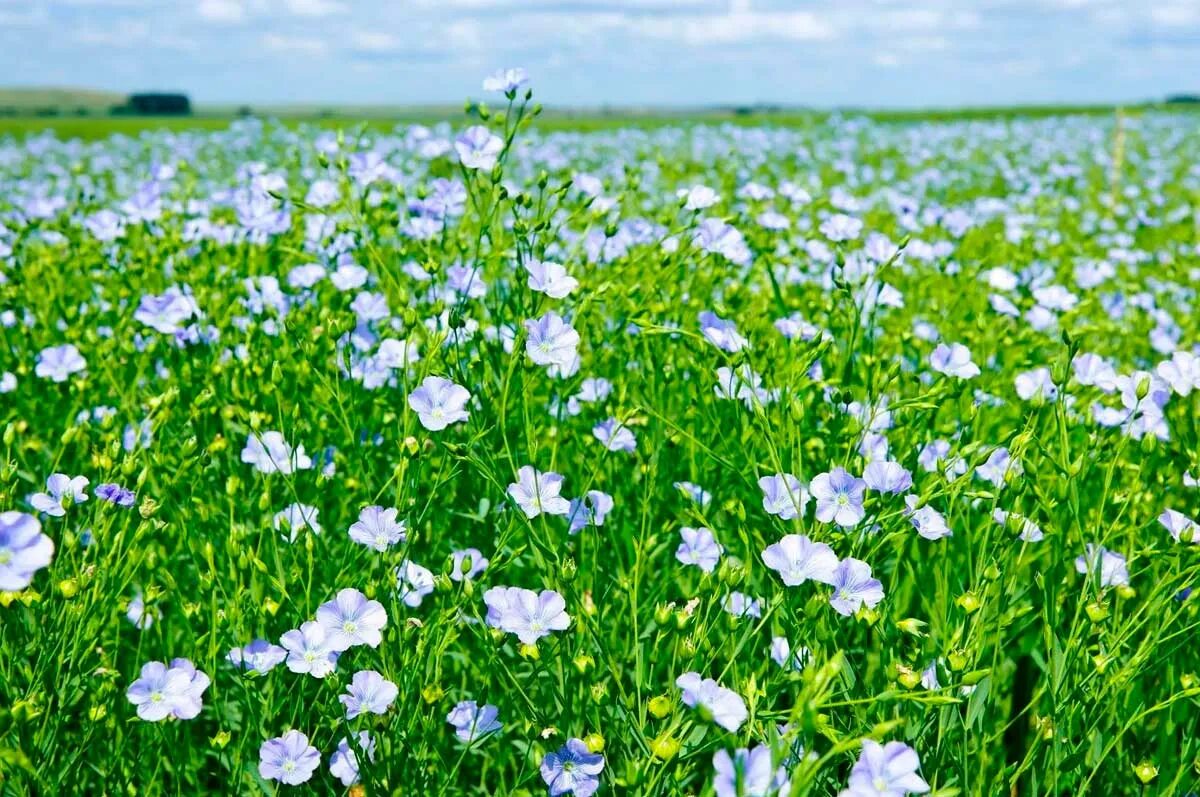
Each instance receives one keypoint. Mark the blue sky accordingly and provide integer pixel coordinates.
(902, 53)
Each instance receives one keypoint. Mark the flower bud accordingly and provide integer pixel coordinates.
(664, 747)
(969, 602)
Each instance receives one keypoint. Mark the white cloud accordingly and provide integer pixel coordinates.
(315, 8)
(740, 25)
(372, 41)
(221, 11)
(133, 34)
(923, 19)
(464, 34)
(110, 4)
(30, 17)
(296, 45)
(1175, 15)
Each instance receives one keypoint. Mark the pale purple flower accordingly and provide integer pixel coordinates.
(614, 435)
(169, 312)
(928, 522)
(953, 360)
(551, 341)
(465, 282)
(888, 770)
(368, 307)
(1179, 524)
(58, 363)
(723, 706)
(439, 402)
(720, 238)
(467, 564)
(478, 148)
(105, 225)
(840, 227)
(24, 550)
(591, 510)
(1092, 370)
(783, 655)
(853, 587)
(343, 764)
(698, 197)
(722, 333)
(874, 447)
(297, 518)
(572, 769)
(163, 691)
(259, 656)
(289, 759)
(189, 707)
(350, 619)
(783, 496)
(368, 167)
(1181, 372)
(839, 497)
(506, 80)
(527, 614)
(742, 384)
(998, 467)
(137, 613)
(1109, 565)
(695, 492)
(536, 492)
(740, 604)
(747, 773)
(270, 453)
(932, 455)
(368, 693)
(472, 721)
(378, 528)
(116, 494)
(698, 548)
(309, 651)
(1036, 384)
(797, 559)
(413, 583)
(61, 491)
(159, 691)
(1029, 531)
(550, 278)
(887, 476)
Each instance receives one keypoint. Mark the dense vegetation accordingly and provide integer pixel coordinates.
(707, 460)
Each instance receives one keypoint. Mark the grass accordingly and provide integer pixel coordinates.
(93, 126)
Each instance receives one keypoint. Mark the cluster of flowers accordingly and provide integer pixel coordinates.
(510, 389)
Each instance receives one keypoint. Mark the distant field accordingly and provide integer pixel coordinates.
(96, 126)
(63, 100)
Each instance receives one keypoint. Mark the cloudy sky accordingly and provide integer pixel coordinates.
(590, 52)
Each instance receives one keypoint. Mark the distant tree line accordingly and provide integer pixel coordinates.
(142, 104)
(155, 105)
